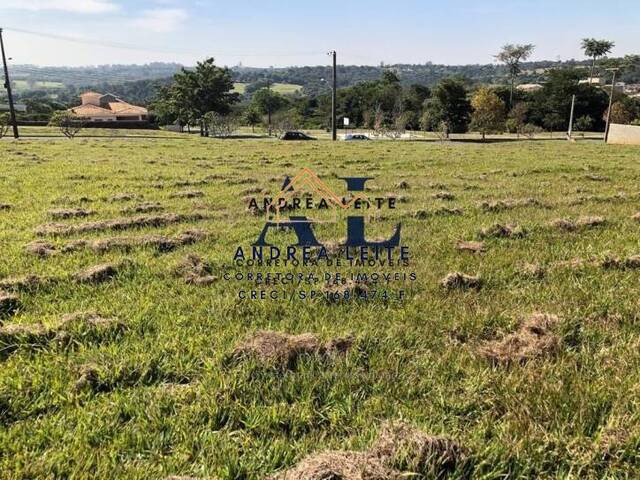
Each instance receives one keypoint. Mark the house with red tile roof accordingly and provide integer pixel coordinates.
(98, 107)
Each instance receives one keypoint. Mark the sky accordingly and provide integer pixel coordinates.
(282, 33)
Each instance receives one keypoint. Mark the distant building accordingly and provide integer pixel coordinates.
(98, 107)
(529, 87)
(596, 81)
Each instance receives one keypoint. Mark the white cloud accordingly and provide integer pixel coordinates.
(76, 6)
(161, 19)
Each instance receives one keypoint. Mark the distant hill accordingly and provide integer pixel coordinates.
(137, 83)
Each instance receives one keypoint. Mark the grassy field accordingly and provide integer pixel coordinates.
(283, 88)
(24, 85)
(146, 387)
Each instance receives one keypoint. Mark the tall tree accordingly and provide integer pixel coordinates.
(595, 49)
(511, 56)
(194, 92)
(488, 112)
(448, 104)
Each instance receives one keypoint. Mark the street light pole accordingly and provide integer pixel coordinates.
(7, 85)
(334, 135)
(613, 83)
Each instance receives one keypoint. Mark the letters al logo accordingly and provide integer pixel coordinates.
(303, 227)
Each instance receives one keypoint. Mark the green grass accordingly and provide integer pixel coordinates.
(23, 85)
(283, 88)
(168, 402)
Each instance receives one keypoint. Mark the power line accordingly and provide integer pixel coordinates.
(110, 44)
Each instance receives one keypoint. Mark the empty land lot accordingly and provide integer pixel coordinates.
(125, 354)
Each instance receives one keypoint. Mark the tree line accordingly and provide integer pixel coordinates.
(204, 97)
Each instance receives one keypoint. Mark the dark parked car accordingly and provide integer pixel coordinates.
(355, 136)
(295, 136)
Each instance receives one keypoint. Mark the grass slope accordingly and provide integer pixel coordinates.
(162, 400)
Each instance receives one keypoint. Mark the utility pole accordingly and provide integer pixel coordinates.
(613, 84)
(573, 103)
(269, 104)
(334, 136)
(7, 85)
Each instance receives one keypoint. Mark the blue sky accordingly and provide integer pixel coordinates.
(265, 33)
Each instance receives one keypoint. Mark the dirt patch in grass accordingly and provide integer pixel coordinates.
(534, 338)
(146, 207)
(498, 230)
(461, 281)
(403, 185)
(636, 217)
(194, 270)
(139, 221)
(399, 452)
(471, 246)
(66, 213)
(188, 194)
(97, 274)
(570, 225)
(9, 304)
(40, 248)
(284, 350)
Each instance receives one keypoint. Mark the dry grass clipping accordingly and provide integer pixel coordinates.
(470, 246)
(79, 326)
(139, 221)
(570, 225)
(146, 207)
(188, 194)
(195, 271)
(9, 304)
(26, 282)
(532, 270)
(400, 452)
(97, 274)
(40, 248)
(498, 230)
(461, 281)
(443, 196)
(533, 339)
(161, 243)
(508, 204)
(283, 350)
(61, 213)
